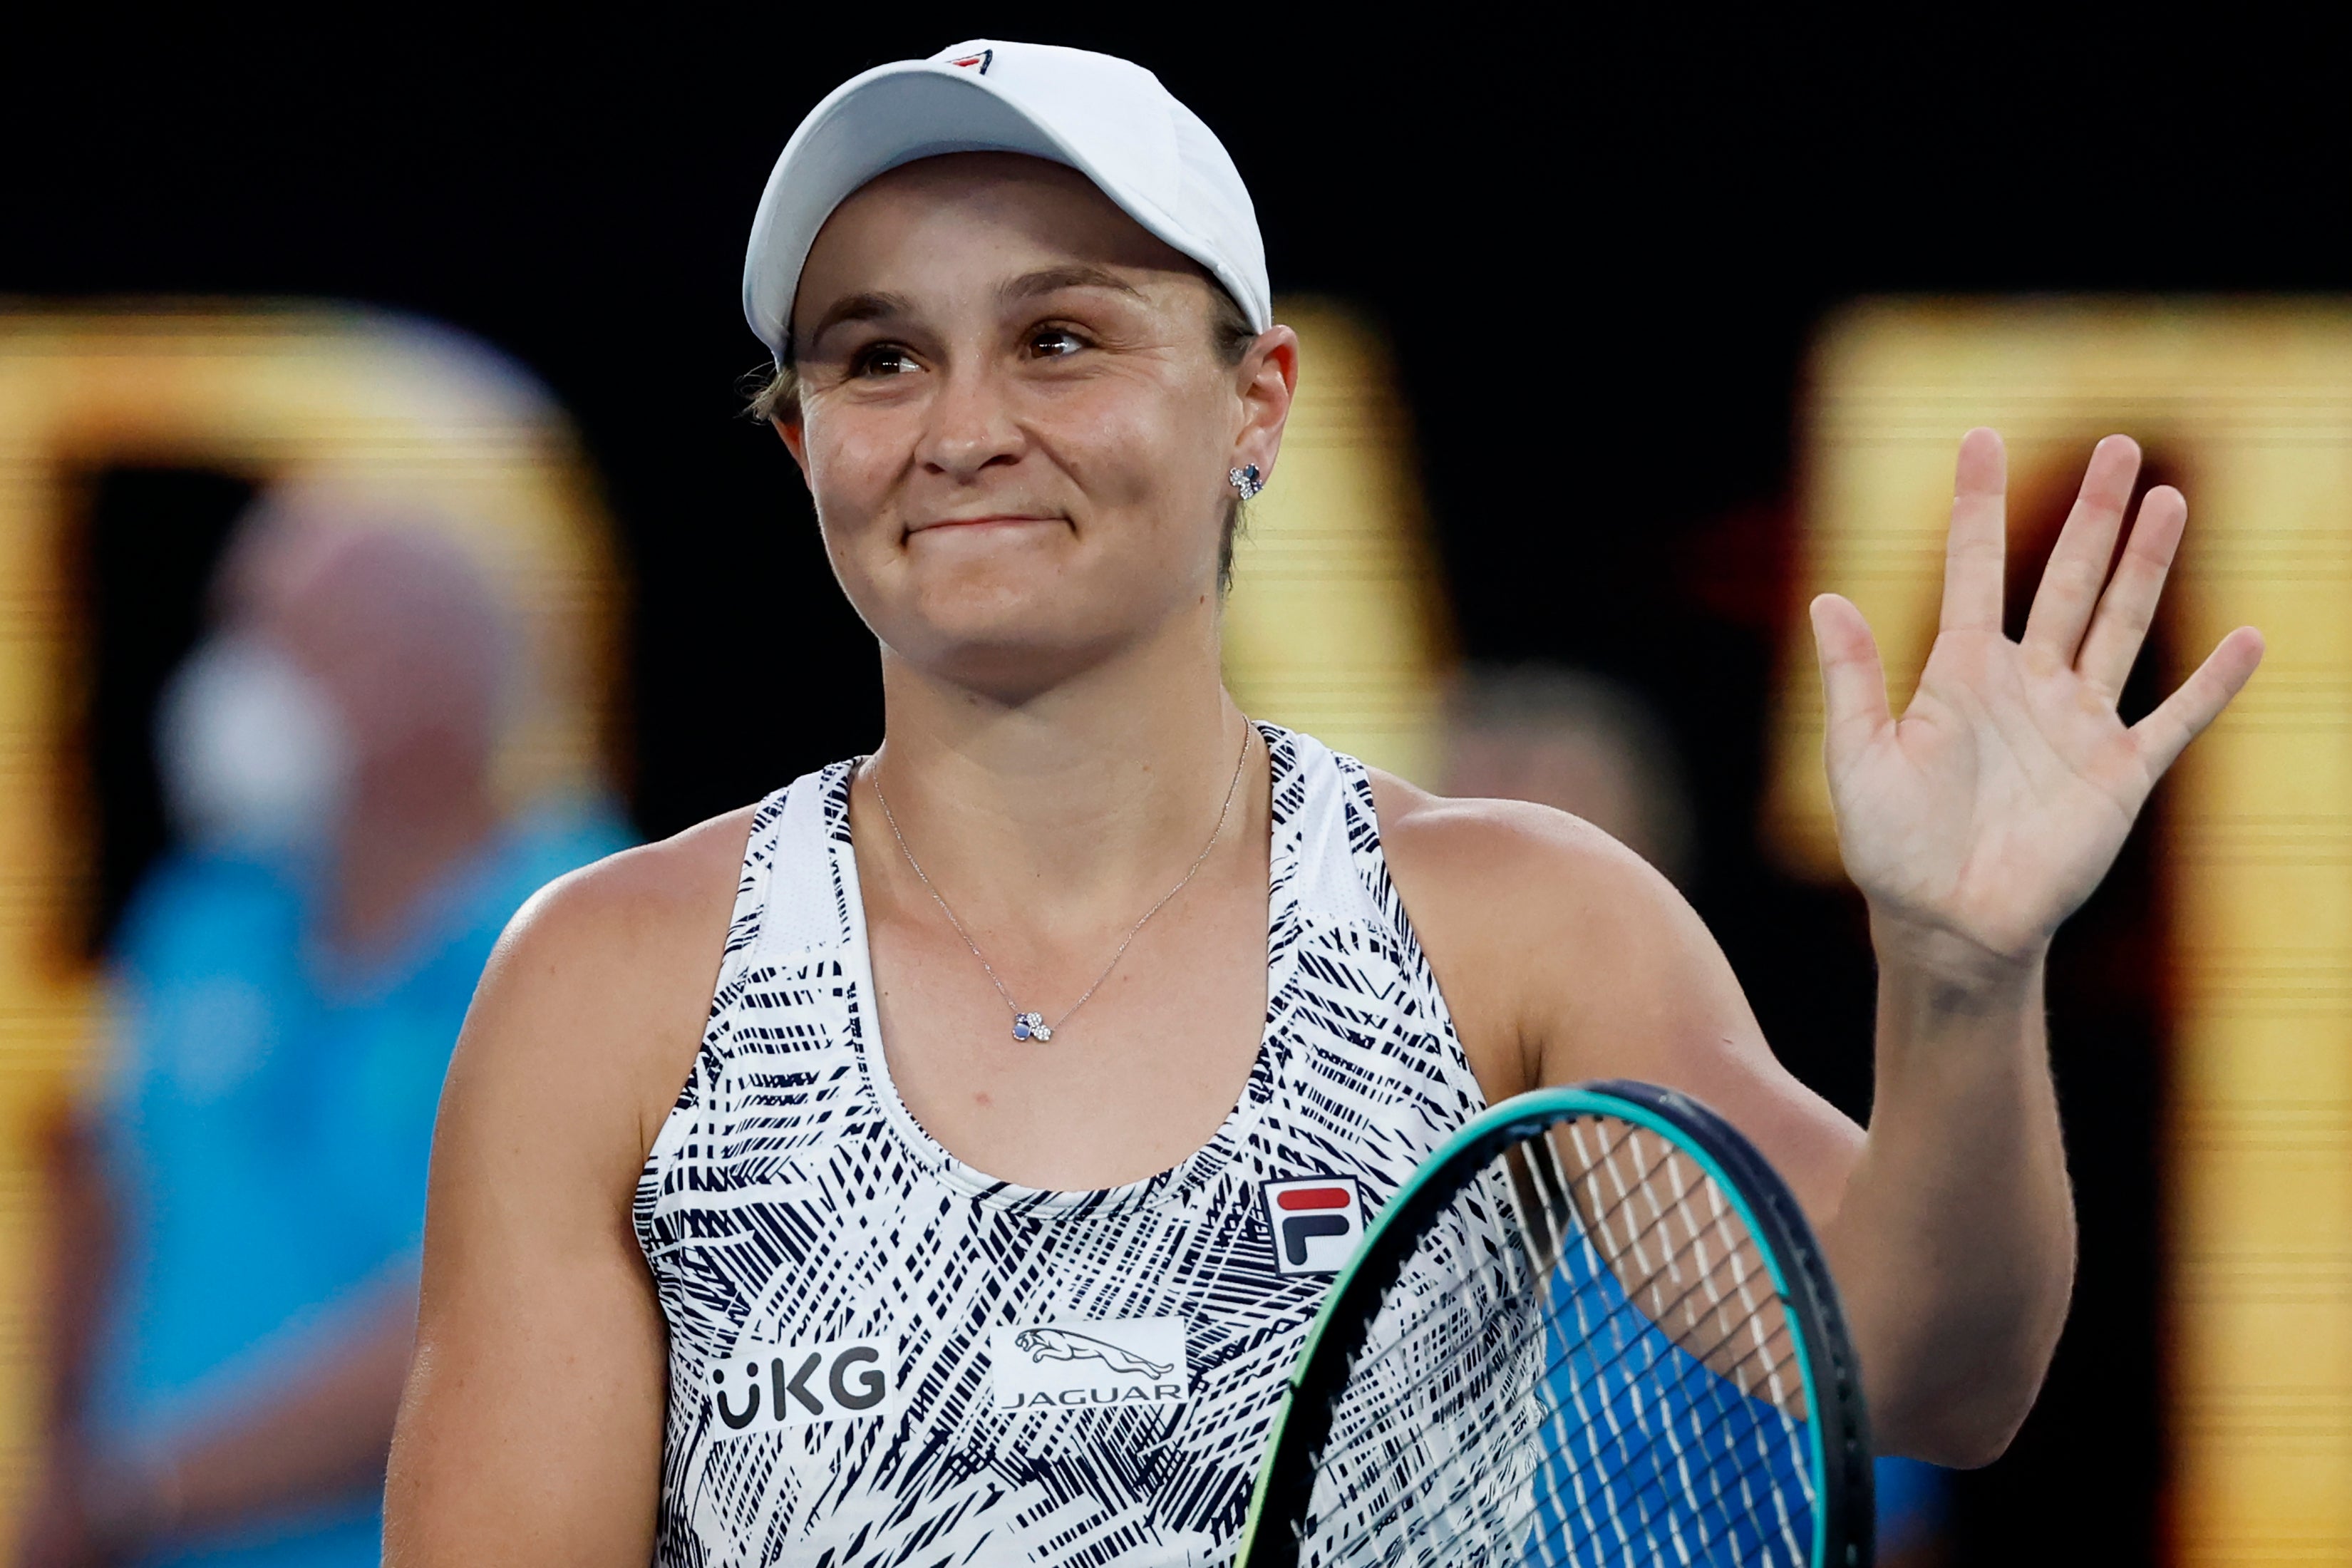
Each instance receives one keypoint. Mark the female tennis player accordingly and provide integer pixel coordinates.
(941, 1161)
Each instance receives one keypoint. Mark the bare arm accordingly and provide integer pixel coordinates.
(1949, 1226)
(1974, 823)
(1564, 958)
(532, 1431)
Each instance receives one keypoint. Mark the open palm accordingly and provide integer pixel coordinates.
(1987, 812)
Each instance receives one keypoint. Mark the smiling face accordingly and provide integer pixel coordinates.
(1016, 420)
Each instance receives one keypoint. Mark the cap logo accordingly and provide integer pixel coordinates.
(978, 62)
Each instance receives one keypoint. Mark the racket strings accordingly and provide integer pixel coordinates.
(1726, 1319)
(1476, 1447)
(1426, 1459)
(1750, 1307)
(1596, 1488)
(1698, 1510)
(1462, 1433)
(1443, 1352)
(1776, 1351)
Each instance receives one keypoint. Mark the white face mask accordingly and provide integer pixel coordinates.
(253, 753)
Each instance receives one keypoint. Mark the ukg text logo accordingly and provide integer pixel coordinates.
(761, 1387)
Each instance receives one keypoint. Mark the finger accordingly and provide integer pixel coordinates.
(1978, 538)
(2128, 606)
(2070, 584)
(1854, 685)
(2182, 716)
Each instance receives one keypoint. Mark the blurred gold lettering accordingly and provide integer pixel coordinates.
(1336, 624)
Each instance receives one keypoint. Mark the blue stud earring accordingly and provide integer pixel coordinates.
(1247, 479)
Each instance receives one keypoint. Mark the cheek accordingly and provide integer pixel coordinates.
(854, 457)
(1153, 457)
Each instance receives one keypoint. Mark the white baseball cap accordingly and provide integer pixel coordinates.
(1107, 118)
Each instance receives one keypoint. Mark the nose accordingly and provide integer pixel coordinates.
(970, 426)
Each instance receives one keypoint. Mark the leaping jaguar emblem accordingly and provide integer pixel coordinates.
(1061, 1344)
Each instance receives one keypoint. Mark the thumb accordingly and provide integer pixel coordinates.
(1854, 685)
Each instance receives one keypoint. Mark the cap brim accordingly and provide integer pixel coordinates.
(893, 115)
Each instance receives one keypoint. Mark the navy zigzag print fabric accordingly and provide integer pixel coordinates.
(882, 1358)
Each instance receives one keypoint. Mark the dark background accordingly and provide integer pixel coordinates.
(1599, 249)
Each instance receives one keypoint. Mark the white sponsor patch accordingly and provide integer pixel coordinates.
(761, 1387)
(1079, 1363)
(1316, 1222)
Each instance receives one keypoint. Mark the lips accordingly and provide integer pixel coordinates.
(993, 519)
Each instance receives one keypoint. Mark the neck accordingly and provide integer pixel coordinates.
(1073, 804)
(401, 838)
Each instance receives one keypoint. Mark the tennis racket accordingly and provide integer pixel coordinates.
(1592, 1330)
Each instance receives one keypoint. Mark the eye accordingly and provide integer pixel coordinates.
(1054, 343)
(882, 359)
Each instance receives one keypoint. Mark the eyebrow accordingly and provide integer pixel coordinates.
(871, 307)
(879, 305)
(1053, 280)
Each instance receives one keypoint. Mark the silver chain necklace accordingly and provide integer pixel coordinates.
(1028, 1026)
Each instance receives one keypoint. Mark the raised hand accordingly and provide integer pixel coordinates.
(1986, 814)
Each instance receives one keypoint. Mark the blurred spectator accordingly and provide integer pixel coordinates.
(241, 1217)
(1580, 742)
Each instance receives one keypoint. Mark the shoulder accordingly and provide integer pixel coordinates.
(1508, 867)
(595, 993)
(638, 899)
(555, 841)
(1448, 838)
(1548, 936)
(1564, 958)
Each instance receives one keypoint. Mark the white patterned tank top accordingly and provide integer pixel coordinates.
(880, 1356)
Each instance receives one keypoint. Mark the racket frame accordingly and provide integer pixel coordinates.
(1799, 1272)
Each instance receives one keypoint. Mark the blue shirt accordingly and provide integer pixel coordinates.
(269, 1131)
(1912, 1500)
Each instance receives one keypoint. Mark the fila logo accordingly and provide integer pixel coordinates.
(978, 64)
(761, 1388)
(1127, 1361)
(1315, 1221)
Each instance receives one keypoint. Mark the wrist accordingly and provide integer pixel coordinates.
(1955, 1021)
(1953, 966)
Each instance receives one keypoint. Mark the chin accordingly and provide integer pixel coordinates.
(1010, 617)
(1012, 642)
(1009, 655)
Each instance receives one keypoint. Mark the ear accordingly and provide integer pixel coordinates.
(795, 437)
(1267, 379)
